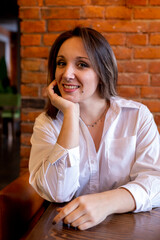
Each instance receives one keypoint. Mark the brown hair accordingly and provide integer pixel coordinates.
(100, 54)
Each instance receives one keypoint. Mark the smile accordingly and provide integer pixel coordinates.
(70, 86)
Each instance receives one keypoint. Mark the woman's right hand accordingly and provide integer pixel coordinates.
(69, 134)
(59, 102)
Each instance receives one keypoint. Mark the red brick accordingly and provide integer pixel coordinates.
(25, 139)
(133, 3)
(153, 26)
(155, 39)
(147, 13)
(30, 40)
(35, 52)
(157, 119)
(29, 13)
(29, 116)
(155, 80)
(60, 13)
(136, 39)
(64, 25)
(120, 66)
(67, 2)
(133, 66)
(27, 127)
(108, 2)
(60, 25)
(118, 12)
(122, 52)
(133, 79)
(120, 26)
(154, 2)
(25, 151)
(128, 92)
(153, 105)
(30, 2)
(93, 12)
(34, 77)
(33, 26)
(29, 91)
(44, 92)
(115, 38)
(154, 67)
(48, 39)
(148, 52)
(34, 65)
(150, 92)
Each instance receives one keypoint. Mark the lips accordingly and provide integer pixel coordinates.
(70, 86)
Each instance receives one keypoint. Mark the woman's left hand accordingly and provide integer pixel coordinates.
(83, 212)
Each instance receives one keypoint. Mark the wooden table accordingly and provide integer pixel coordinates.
(129, 226)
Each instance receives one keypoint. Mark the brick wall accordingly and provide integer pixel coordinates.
(132, 27)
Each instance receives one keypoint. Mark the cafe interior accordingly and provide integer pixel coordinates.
(10, 99)
(23, 213)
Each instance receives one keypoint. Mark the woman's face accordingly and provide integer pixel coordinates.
(77, 81)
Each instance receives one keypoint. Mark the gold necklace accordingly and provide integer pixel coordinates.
(99, 120)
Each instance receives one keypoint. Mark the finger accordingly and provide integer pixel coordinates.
(50, 90)
(52, 85)
(86, 225)
(80, 220)
(59, 209)
(65, 211)
(76, 215)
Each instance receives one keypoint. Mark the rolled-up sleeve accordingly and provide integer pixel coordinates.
(54, 171)
(145, 172)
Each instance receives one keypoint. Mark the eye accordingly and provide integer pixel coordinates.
(82, 65)
(61, 63)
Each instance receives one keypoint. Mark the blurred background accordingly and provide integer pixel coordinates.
(9, 92)
(28, 28)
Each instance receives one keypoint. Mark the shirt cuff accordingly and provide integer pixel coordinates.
(58, 152)
(141, 197)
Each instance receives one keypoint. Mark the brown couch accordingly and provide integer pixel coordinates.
(20, 209)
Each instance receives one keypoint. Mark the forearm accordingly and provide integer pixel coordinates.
(69, 134)
(119, 201)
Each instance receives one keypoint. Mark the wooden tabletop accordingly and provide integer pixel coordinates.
(129, 226)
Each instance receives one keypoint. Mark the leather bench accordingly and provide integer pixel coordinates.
(20, 209)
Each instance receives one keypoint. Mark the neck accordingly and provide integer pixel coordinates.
(92, 113)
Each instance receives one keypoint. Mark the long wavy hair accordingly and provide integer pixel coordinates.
(101, 56)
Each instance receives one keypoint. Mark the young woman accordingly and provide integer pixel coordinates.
(91, 147)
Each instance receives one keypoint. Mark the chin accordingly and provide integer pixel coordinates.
(71, 99)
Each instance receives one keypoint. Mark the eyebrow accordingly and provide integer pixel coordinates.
(79, 57)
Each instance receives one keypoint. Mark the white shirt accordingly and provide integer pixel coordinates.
(128, 156)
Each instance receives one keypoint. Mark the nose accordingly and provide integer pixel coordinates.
(69, 72)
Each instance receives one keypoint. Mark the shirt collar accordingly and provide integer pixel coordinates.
(118, 102)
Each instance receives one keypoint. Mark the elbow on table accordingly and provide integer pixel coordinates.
(62, 198)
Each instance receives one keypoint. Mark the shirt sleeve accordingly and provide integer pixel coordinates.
(145, 172)
(54, 171)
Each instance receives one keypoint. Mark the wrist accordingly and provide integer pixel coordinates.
(72, 110)
(122, 201)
